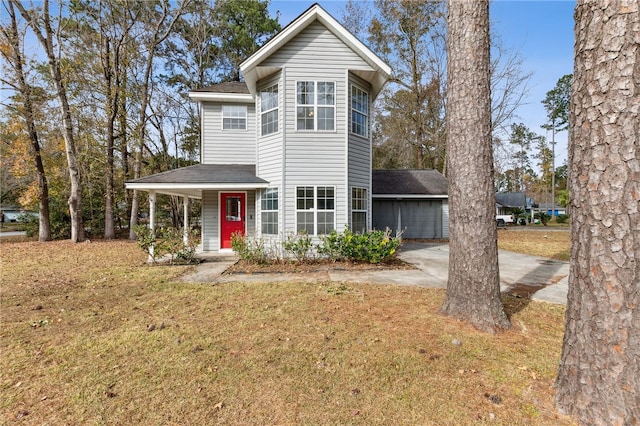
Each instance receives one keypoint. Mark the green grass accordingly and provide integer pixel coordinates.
(90, 334)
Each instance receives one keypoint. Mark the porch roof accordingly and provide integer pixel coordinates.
(192, 180)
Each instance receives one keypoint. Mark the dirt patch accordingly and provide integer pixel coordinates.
(315, 265)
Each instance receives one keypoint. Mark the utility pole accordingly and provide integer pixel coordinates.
(553, 168)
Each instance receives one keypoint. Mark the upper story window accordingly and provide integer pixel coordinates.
(359, 111)
(269, 110)
(315, 105)
(234, 117)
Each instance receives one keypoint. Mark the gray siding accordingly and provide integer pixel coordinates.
(227, 146)
(316, 158)
(210, 221)
(359, 152)
(445, 219)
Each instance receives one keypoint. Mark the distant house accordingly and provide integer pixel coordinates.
(507, 202)
(288, 150)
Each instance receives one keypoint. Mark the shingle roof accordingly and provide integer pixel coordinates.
(511, 199)
(409, 182)
(226, 87)
(206, 173)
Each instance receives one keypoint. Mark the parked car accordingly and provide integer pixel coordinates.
(503, 219)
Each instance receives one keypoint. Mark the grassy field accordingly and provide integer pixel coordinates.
(91, 334)
(552, 242)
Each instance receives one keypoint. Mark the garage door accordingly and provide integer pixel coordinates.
(418, 218)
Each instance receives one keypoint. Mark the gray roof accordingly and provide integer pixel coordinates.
(226, 87)
(409, 182)
(206, 173)
(511, 199)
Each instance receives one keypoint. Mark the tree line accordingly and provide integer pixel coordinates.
(98, 96)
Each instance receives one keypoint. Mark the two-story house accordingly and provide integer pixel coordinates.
(289, 148)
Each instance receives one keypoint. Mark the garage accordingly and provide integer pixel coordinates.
(414, 201)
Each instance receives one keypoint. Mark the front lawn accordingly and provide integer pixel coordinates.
(91, 334)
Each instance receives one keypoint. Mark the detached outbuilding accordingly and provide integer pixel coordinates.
(415, 201)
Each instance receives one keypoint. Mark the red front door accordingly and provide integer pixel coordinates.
(232, 211)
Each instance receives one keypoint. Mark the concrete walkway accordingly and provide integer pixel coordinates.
(522, 275)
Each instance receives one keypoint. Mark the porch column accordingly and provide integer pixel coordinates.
(152, 220)
(185, 226)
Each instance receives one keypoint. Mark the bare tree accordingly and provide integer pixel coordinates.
(13, 55)
(599, 375)
(160, 25)
(473, 289)
(40, 24)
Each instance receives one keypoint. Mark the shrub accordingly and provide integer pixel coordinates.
(167, 241)
(372, 247)
(249, 249)
(562, 218)
(299, 245)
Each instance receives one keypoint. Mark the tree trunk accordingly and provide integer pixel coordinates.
(599, 375)
(44, 228)
(473, 289)
(46, 40)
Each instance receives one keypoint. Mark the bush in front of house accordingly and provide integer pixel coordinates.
(299, 245)
(249, 249)
(371, 247)
(167, 241)
(562, 218)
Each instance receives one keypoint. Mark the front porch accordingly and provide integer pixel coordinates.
(227, 191)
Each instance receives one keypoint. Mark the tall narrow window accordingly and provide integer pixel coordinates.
(315, 209)
(359, 112)
(326, 209)
(269, 211)
(234, 117)
(269, 110)
(359, 210)
(315, 105)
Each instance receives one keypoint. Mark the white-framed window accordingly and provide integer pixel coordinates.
(359, 111)
(315, 105)
(234, 117)
(359, 210)
(315, 209)
(269, 110)
(269, 211)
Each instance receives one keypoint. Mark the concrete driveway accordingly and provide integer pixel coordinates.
(520, 274)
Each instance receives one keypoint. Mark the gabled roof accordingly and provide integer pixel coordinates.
(412, 183)
(229, 91)
(252, 71)
(191, 180)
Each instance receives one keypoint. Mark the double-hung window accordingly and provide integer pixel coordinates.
(269, 211)
(269, 110)
(359, 111)
(359, 210)
(234, 117)
(315, 105)
(315, 209)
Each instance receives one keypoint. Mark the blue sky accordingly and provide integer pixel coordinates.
(541, 31)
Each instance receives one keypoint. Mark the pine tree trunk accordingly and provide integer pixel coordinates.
(599, 375)
(473, 289)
